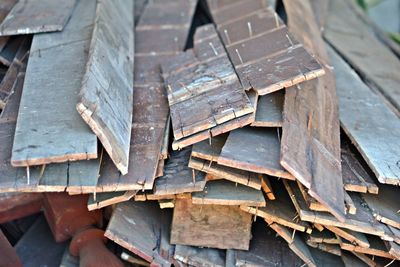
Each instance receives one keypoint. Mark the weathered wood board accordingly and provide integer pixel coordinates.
(222, 192)
(10, 49)
(353, 237)
(201, 257)
(138, 227)
(269, 110)
(206, 226)
(5, 7)
(361, 110)
(254, 149)
(154, 43)
(235, 175)
(325, 236)
(46, 135)
(178, 177)
(266, 56)
(106, 96)
(376, 248)
(35, 16)
(365, 53)
(101, 200)
(310, 144)
(198, 75)
(210, 149)
(265, 250)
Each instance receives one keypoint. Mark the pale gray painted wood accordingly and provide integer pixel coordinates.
(106, 102)
(49, 129)
(34, 16)
(370, 124)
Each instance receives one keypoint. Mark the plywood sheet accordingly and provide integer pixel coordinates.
(34, 16)
(55, 132)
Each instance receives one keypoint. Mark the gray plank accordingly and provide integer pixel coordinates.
(106, 102)
(370, 124)
(55, 132)
(34, 16)
(223, 192)
(269, 110)
(200, 257)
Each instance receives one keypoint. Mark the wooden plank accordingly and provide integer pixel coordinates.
(178, 177)
(200, 74)
(279, 62)
(5, 7)
(205, 226)
(235, 175)
(355, 42)
(354, 237)
(328, 248)
(106, 96)
(254, 149)
(101, 200)
(266, 250)
(310, 145)
(393, 249)
(201, 257)
(361, 110)
(35, 16)
(223, 192)
(41, 136)
(325, 236)
(137, 226)
(376, 248)
(269, 110)
(385, 206)
(209, 149)
(10, 49)
(266, 187)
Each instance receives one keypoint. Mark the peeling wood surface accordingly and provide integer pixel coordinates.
(106, 96)
(358, 45)
(195, 77)
(35, 16)
(222, 192)
(205, 226)
(364, 117)
(266, 56)
(269, 110)
(310, 145)
(42, 134)
(254, 149)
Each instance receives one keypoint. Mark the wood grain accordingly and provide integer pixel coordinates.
(35, 16)
(106, 96)
(310, 145)
(46, 135)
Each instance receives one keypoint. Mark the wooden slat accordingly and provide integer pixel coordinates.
(362, 110)
(206, 226)
(42, 135)
(10, 49)
(106, 96)
(101, 200)
(325, 236)
(137, 226)
(34, 16)
(178, 177)
(200, 74)
(269, 110)
(266, 56)
(254, 149)
(328, 248)
(353, 237)
(376, 248)
(223, 192)
(354, 40)
(201, 257)
(310, 145)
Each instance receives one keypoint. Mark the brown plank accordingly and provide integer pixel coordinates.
(353, 237)
(310, 145)
(269, 110)
(376, 248)
(279, 62)
(205, 226)
(254, 149)
(200, 74)
(101, 200)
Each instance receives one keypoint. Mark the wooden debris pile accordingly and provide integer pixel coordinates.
(197, 133)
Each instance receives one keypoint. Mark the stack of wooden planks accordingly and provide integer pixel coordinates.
(209, 132)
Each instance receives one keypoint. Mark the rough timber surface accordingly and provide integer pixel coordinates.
(106, 102)
(254, 149)
(154, 44)
(266, 56)
(362, 110)
(138, 227)
(43, 134)
(310, 144)
(178, 177)
(269, 110)
(364, 52)
(35, 16)
(222, 192)
(195, 77)
(206, 226)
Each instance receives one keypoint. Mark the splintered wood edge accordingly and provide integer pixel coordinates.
(86, 115)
